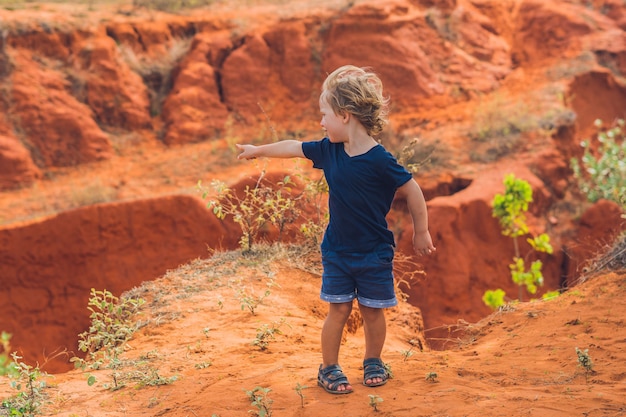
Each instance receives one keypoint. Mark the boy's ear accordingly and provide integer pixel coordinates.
(345, 117)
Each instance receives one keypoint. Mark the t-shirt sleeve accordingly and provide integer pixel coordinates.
(314, 151)
(398, 175)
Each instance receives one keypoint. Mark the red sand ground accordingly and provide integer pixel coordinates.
(518, 362)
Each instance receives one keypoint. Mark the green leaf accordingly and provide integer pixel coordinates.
(91, 380)
(494, 298)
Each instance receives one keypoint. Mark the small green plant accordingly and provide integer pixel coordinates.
(374, 401)
(252, 301)
(584, 361)
(111, 327)
(494, 298)
(111, 323)
(510, 208)
(432, 377)
(407, 353)
(7, 366)
(203, 365)
(299, 388)
(266, 333)
(259, 398)
(551, 294)
(601, 172)
(283, 211)
(26, 379)
(151, 377)
(257, 206)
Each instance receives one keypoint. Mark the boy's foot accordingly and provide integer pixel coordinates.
(333, 380)
(374, 372)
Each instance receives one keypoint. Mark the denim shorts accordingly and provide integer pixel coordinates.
(368, 277)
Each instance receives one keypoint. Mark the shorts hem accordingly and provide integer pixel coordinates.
(368, 302)
(344, 298)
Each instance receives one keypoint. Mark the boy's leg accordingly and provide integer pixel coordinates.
(375, 329)
(332, 332)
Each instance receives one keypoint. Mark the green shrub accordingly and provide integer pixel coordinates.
(111, 327)
(494, 298)
(28, 381)
(259, 205)
(601, 172)
(510, 208)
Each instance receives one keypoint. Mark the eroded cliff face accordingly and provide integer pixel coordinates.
(49, 267)
(454, 70)
(188, 79)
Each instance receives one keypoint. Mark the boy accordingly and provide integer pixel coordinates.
(358, 248)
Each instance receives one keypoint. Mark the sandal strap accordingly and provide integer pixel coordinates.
(332, 376)
(374, 368)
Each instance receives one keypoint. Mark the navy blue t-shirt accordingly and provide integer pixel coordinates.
(361, 190)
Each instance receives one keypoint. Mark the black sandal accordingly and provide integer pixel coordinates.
(331, 378)
(374, 368)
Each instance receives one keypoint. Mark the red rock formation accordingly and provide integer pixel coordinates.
(60, 129)
(16, 166)
(49, 267)
(451, 51)
(98, 65)
(597, 95)
(195, 90)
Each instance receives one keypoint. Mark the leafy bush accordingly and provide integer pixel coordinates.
(111, 327)
(26, 379)
(258, 206)
(111, 323)
(510, 208)
(30, 397)
(601, 172)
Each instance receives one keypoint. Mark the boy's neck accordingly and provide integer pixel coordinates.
(359, 145)
(359, 141)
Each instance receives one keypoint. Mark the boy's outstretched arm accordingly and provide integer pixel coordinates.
(283, 149)
(422, 241)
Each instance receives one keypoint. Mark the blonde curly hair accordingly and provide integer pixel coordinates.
(358, 91)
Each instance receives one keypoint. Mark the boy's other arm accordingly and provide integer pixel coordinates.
(412, 193)
(283, 149)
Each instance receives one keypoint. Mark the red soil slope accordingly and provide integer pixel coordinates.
(517, 362)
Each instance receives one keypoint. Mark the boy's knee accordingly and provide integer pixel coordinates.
(340, 309)
(370, 311)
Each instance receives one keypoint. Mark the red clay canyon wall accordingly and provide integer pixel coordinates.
(49, 267)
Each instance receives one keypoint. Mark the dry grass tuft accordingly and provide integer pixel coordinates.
(614, 259)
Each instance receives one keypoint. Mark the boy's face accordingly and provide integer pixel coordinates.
(334, 125)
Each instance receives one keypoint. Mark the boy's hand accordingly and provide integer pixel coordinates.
(247, 151)
(423, 243)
